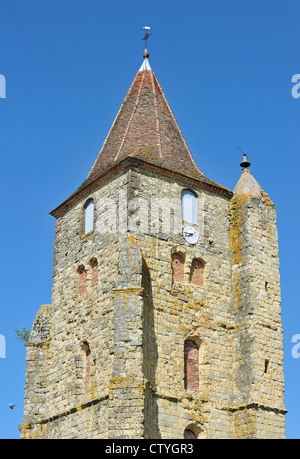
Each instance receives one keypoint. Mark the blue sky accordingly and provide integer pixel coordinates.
(226, 70)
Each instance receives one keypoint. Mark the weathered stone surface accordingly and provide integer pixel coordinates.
(137, 317)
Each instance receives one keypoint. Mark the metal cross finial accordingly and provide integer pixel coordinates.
(147, 35)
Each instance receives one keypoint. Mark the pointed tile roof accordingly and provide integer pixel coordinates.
(144, 129)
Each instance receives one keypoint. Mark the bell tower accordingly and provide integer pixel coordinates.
(165, 314)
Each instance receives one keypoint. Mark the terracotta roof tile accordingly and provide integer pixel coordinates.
(145, 123)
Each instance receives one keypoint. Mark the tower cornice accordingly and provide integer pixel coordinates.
(129, 162)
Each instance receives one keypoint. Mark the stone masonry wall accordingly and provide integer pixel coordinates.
(258, 365)
(115, 366)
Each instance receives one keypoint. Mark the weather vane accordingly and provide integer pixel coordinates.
(147, 35)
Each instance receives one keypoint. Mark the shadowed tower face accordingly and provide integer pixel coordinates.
(165, 314)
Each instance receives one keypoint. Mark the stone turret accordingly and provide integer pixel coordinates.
(258, 366)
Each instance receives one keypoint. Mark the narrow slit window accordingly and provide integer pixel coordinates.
(191, 366)
(94, 266)
(266, 366)
(89, 216)
(189, 206)
(86, 348)
(82, 279)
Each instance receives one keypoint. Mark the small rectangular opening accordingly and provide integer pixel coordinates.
(266, 365)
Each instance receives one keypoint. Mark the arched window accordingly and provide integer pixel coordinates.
(88, 216)
(191, 366)
(197, 272)
(189, 206)
(189, 434)
(82, 279)
(94, 266)
(177, 267)
(86, 348)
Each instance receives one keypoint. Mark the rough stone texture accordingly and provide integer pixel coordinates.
(137, 317)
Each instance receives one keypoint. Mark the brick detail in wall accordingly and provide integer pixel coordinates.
(197, 273)
(191, 366)
(177, 267)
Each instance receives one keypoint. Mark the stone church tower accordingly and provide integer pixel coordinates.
(165, 319)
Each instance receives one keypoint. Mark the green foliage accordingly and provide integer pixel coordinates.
(23, 335)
